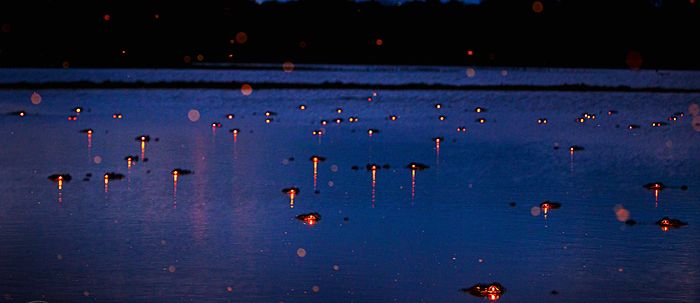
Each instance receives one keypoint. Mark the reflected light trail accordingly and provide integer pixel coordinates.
(315, 172)
(175, 174)
(374, 185)
(413, 184)
(106, 183)
(143, 149)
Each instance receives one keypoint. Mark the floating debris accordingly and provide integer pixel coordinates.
(113, 176)
(417, 166)
(291, 190)
(386, 166)
(658, 124)
(655, 186)
(117, 116)
(181, 172)
(20, 113)
(633, 126)
(73, 118)
(542, 121)
(310, 218)
(60, 177)
(574, 148)
(230, 116)
(314, 159)
(491, 291)
(143, 138)
(461, 129)
(479, 110)
(373, 167)
(554, 292)
(216, 125)
(132, 158)
(549, 205)
(668, 222)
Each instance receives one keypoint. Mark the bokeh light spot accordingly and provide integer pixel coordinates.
(301, 252)
(36, 98)
(246, 89)
(193, 115)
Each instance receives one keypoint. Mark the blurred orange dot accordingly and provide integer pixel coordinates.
(288, 67)
(537, 7)
(65, 64)
(36, 98)
(470, 52)
(246, 89)
(241, 37)
(200, 57)
(106, 17)
(379, 42)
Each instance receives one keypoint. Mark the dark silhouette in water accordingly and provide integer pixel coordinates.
(491, 291)
(310, 218)
(667, 222)
(113, 176)
(60, 177)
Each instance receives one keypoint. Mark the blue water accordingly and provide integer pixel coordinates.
(228, 234)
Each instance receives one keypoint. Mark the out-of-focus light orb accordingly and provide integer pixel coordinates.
(470, 52)
(471, 72)
(694, 109)
(229, 289)
(246, 89)
(535, 211)
(288, 67)
(106, 17)
(86, 293)
(336, 268)
(156, 16)
(36, 98)
(537, 7)
(334, 168)
(241, 38)
(315, 288)
(193, 115)
(172, 268)
(230, 55)
(331, 183)
(97, 159)
(504, 73)
(301, 252)
(200, 57)
(634, 60)
(379, 42)
(65, 64)
(621, 213)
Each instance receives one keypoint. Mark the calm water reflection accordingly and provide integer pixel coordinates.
(226, 233)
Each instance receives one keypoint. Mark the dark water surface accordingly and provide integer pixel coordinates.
(228, 234)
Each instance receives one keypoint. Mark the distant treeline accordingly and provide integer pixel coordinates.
(160, 33)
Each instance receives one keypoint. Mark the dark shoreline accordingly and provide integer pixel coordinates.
(338, 85)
